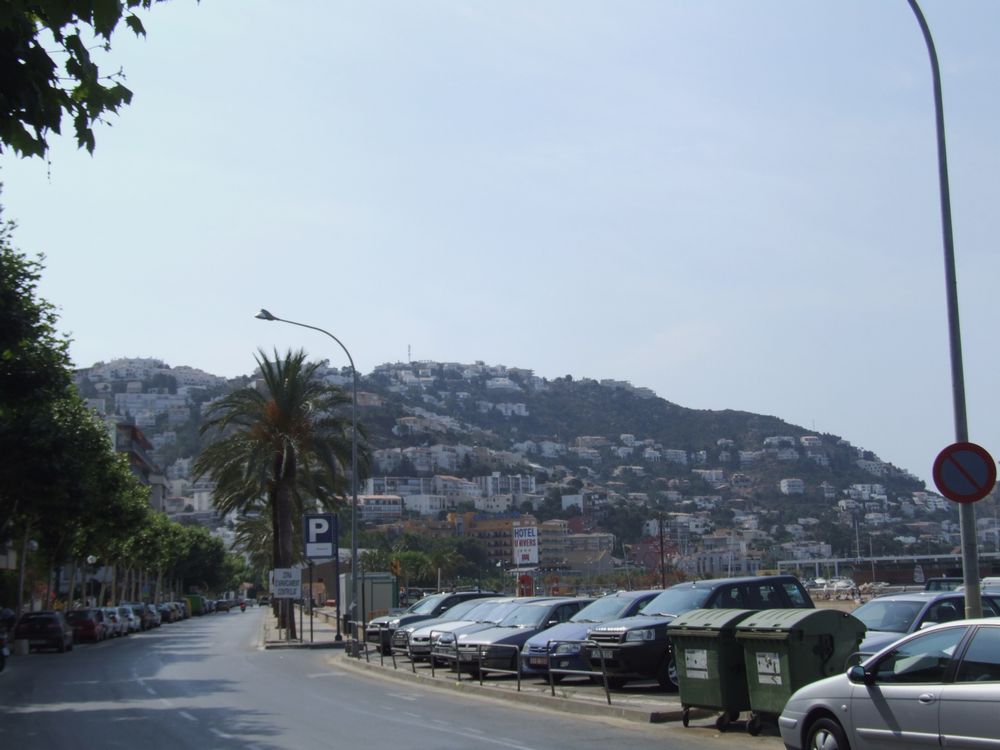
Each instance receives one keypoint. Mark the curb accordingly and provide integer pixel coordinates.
(560, 702)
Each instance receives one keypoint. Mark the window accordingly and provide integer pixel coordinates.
(945, 611)
(982, 660)
(763, 596)
(924, 659)
(729, 598)
(795, 595)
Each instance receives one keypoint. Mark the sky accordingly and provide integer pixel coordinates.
(733, 203)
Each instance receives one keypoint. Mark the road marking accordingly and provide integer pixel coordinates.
(150, 690)
(314, 675)
(220, 734)
(188, 716)
(402, 697)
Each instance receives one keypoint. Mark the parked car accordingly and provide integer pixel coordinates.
(938, 687)
(637, 648)
(890, 617)
(943, 583)
(87, 624)
(45, 629)
(167, 613)
(401, 635)
(442, 638)
(416, 636)
(113, 622)
(223, 605)
(499, 647)
(142, 612)
(133, 623)
(558, 639)
(379, 630)
(154, 617)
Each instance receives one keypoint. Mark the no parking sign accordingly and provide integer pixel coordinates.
(965, 472)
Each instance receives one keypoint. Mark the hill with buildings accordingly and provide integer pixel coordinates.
(457, 443)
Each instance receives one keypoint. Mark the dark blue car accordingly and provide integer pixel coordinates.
(534, 660)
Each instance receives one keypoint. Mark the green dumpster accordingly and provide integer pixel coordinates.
(785, 649)
(710, 668)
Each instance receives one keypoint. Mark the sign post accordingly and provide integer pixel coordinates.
(965, 473)
(321, 540)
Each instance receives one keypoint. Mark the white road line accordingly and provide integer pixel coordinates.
(314, 675)
(402, 697)
(188, 716)
(220, 734)
(150, 690)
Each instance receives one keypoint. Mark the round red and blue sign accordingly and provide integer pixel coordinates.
(965, 472)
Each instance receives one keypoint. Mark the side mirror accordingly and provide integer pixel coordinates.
(552, 623)
(860, 675)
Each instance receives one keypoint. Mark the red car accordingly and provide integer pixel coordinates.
(87, 624)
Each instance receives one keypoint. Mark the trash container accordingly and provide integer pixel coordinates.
(785, 649)
(710, 666)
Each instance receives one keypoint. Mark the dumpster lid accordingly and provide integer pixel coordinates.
(804, 621)
(707, 619)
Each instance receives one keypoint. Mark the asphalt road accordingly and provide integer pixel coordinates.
(204, 683)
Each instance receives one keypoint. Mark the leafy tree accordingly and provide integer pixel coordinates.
(278, 445)
(48, 70)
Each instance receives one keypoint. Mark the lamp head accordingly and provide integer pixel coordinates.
(264, 315)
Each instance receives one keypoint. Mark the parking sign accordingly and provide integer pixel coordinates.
(319, 534)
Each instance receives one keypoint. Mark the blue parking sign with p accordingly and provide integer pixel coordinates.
(319, 535)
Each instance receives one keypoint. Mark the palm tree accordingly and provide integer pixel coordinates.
(279, 445)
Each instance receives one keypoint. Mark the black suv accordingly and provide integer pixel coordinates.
(637, 647)
(379, 631)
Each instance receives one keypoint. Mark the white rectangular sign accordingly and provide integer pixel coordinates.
(525, 545)
(286, 583)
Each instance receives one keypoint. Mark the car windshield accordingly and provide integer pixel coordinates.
(481, 609)
(604, 609)
(526, 616)
(675, 600)
(79, 616)
(426, 605)
(890, 616)
(499, 611)
(460, 610)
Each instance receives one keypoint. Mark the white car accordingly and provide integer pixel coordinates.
(939, 687)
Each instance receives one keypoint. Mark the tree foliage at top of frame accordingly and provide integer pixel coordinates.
(48, 71)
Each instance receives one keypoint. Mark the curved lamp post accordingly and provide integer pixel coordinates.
(265, 315)
(967, 513)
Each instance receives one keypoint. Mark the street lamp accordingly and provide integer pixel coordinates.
(966, 511)
(265, 315)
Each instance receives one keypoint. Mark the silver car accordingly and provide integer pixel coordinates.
(939, 687)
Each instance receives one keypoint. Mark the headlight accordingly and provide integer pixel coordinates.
(646, 634)
(568, 648)
(444, 638)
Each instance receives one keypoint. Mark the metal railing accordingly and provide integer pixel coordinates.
(552, 671)
(486, 648)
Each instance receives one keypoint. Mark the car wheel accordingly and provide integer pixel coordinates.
(667, 676)
(826, 734)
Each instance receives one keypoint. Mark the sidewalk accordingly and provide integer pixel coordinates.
(319, 632)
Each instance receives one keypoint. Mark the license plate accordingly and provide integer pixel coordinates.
(538, 661)
(606, 653)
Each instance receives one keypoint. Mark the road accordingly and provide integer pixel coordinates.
(205, 683)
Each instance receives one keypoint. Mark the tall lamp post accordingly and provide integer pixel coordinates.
(265, 315)
(967, 513)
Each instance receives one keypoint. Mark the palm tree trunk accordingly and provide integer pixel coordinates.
(283, 495)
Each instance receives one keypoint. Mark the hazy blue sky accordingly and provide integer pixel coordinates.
(733, 203)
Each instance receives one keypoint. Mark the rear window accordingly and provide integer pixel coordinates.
(79, 616)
